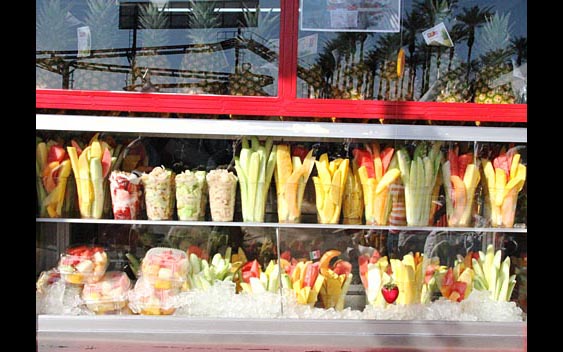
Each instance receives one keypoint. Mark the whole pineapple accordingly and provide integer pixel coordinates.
(259, 28)
(102, 18)
(52, 32)
(246, 82)
(495, 38)
(153, 33)
(453, 87)
(203, 59)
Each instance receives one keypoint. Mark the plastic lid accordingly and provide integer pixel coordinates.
(145, 296)
(165, 264)
(113, 287)
(83, 264)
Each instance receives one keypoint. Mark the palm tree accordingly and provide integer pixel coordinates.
(520, 47)
(457, 34)
(472, 19)
(413, 24)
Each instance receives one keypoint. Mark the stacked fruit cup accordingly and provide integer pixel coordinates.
(163, 275)
(377, 170)
(291, 176)
(159, 186)
(191, 195)
(460, 177)
(329, 186)
(504, 179)
(126, 195)
(222, 187)
(421, 182)
(53, 170)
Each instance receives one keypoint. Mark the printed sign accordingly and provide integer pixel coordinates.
(84, 41)
(350, 15)
(437, 36)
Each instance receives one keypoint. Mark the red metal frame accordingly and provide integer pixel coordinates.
(285, 104)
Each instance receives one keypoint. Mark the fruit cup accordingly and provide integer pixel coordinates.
(352, 199)
(83, 264)
(148, 300)
(222, 193)
(165, 268)
(126, 192)
(191, 195)
(109, 295)
(159, 193)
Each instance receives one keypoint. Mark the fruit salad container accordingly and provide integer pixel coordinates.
(146, 299)
(191, 195)
(165, 268)
(222, 193)
(109, 295)
(83, 264)
(159, 187)
(126, 194)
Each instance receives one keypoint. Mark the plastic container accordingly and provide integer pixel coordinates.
(191, 195)
(222, 193)
(55, 196)
(328, 200)
(159, 186)
(165, 268)
(126, 193)
(109, 295)
(83, 264)
(145, 299)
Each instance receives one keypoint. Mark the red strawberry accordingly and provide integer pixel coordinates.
(390, 292)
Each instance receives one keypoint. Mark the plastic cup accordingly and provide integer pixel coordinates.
(159, 188)
(328, 203)
(91, 197)
(253, 210)
(289, 204)
(55, 196)
(222, 187)
(502, 209)
(126, 193)
(191, 195)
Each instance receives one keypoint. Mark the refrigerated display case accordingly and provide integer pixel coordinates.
(185, 85)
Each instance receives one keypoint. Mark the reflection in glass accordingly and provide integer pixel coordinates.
(486, 64)
(193, 47)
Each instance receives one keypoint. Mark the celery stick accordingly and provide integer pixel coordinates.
(243, 188)
(97, 187)
(511, 284)
(254, 143)
(253, 171)
(41, 155)
(268, 145)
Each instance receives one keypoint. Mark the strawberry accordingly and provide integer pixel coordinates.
(390, 292)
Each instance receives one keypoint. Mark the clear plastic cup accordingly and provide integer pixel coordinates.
(126, 192)
(502, 209)
(83, 264)
(222, 194)
(328, 200)
(109, 295)
(289, 204)
(145, 299)
(55, 196)
(165, 268)
(191, 195)
(377, 206)
(159, 187)
(253, 210)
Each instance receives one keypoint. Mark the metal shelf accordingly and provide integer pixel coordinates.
(146, 333)
(290, 130)
(280, 225)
